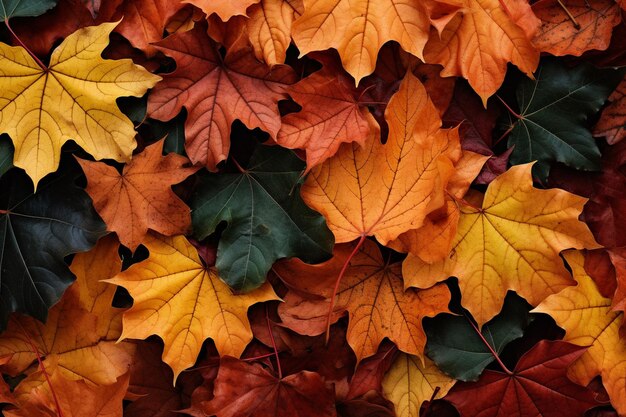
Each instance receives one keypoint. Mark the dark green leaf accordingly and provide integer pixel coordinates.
(456, 348)
(24, 8)
(267, 219)
(36, 232)
(555, 109)
(6, 154)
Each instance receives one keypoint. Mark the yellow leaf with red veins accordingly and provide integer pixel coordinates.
(358, 29)
(73, 98)
(512, 242)
(179, 299)
(589, 320)
(384, 190)
(79, 337)
(558, 35)
(479, 44)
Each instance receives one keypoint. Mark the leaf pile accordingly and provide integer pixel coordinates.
(299, 208)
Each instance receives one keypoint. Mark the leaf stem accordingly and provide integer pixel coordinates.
(569, 14)
(517, 116)
(43, 369)
(432, 398)
(269, 329)
(339, 277)
(254, 358)
(23, 45)
(493, 352)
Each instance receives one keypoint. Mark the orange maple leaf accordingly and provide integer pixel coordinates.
(141, 197)
(225, 9)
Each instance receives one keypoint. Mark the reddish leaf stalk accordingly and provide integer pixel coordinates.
(269, 329)
(432, 398)
(514, 113)
(339, 277)
(493, 352)
(37, 60)
(254, 358)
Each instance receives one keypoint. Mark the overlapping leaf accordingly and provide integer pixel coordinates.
(225, 9)
(17, 8)
(612, 123)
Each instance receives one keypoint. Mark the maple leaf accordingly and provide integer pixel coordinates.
(331, 115)
(385, 190)
(78, 339)
(369, 375)
(141, 197)
(358, 29)
(72, 98)
(267, 219)
(554, 111)
(16, 8)
(216, 91)
(591, 27)
(269, 28)
(34, 398)
(37, 231)
(512, 242)
(225, 9)
(612, 123)
(411, 381)
(179, 299)
(479, 44)
(588, 320)
(537, 386)
(243, 389)
(373, 294)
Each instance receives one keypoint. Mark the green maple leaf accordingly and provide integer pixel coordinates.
(24, 8)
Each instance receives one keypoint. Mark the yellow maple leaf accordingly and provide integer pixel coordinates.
(73, 98)
(511, 243)
(358, 29)
(589, 320)
(179, 299)
(409, 383)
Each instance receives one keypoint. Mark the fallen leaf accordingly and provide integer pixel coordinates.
(179, 299)
(511, 243)
(225, 9)
(589, 321)
(331, 115)
(384, 190)
(411, 381)
(537, 387)
(612, 123)
(269, 28)
(243, 389)
(141, 197)
(368, 376)
(17, 8)
(216, 91)
(358, 29)
(267, 220)
(479, 44)
(73, 98)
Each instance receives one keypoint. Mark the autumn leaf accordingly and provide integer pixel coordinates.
(384, 190)
(225, 9)
(72, 98)
(411, 381)
(479, 44)
(537, 386)
(216, 91)
(37, 231)
(6, 155)
(269, 28)
(79, 338)
(243, 389)
(512, 242)
(591, 27)
(378, 306)
(179, 299)
(358, 29)
(588, 321)
(555, 108)
(331, 115)
(17, 8)
(141, 197)
(266, 218)
(612, 123)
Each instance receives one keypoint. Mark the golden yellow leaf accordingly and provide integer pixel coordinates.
(511, 243)
(588, 320)
(385, 190)
(479, 44)
(358, 29)
(177, 298)
(409, 383)
(79, 337)
(74, 98)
